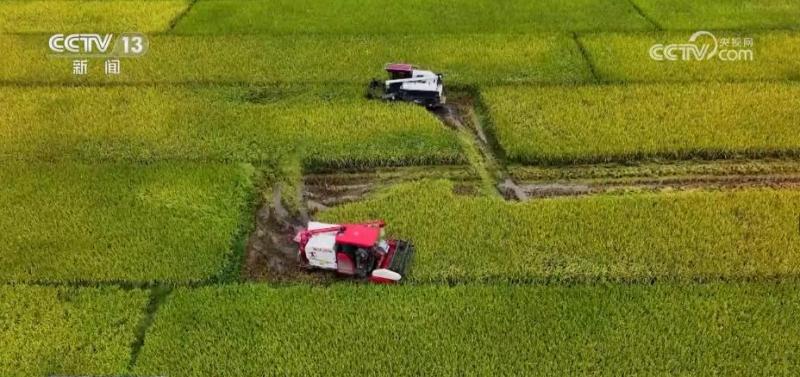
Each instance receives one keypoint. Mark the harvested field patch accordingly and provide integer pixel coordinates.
(664, 184)
(664, 169)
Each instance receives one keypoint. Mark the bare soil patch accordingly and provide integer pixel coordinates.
(271, 252)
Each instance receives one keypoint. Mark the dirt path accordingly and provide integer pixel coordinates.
(547, 189)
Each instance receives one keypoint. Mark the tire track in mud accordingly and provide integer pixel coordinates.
(270, 252)
(729, 182)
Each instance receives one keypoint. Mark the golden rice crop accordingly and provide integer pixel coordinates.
(60, 331)
(495, 330)
(632, 122)
(722, 14)
(621, 57)
(114, 222)
(320, 127)
(684, 236)
(92, 16)
(265, 59)
(408, 17)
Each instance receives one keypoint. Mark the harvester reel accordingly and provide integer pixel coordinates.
(375, 90)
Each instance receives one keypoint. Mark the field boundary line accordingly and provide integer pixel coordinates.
(157, 296)
(649, 29)
(216, 84)
(496, 279)
(623, 186)
(697, 154)
(180, 16)
(231, 271)
(645, 16)
(587, 58)
(537, 33)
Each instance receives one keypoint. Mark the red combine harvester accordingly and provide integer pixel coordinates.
(355, 250)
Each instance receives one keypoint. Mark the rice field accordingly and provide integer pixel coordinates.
(722, 14)
(49, 331)
(109, 222)
(606, 330)
(685, 236)
(564, 124)
(625, 58)
(465, 59)
(321, 127)
(376, 17)
(99, 16)
(128, 202)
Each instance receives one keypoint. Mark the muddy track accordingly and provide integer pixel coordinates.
(732, 182)
(271, 252)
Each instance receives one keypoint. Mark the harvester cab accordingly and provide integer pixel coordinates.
(358, 250)
(406, 83)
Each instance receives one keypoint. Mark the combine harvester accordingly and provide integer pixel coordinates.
(406, 83)
(358, 250)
